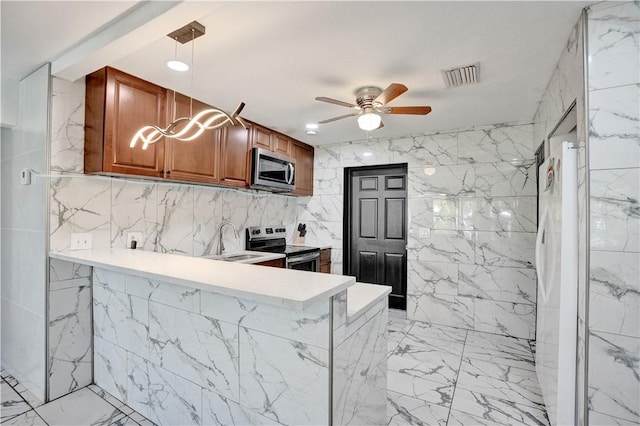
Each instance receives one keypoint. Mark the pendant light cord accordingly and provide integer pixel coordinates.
(175, 56)
(193, 70)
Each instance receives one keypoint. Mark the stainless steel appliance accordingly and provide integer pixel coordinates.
(271, 171)
(273, 239)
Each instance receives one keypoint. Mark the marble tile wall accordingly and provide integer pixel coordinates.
(473, 193)
(565, 87)
(24, 237)
(70, 352)
(179, 355)
(174, 218)
(614, 179)
(360, 372)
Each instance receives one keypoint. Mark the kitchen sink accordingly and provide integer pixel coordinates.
(238, 257)
(241, 256)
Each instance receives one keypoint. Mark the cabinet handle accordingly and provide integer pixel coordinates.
(168, 172)
(161, 171)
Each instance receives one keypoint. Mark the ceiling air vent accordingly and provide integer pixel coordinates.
(461, 76)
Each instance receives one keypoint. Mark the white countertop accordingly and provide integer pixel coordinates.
(361, 297)
(276, 286)
(261, 256)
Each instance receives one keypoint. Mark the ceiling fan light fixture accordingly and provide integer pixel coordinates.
(177, 65)
(369, 121)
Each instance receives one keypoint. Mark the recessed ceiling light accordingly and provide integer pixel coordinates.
(177, 65)
(312, 126)
(311, 132)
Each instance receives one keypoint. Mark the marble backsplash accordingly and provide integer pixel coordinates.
(474, 191)
(173, 218)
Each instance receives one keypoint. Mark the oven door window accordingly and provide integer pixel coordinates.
(305, 263)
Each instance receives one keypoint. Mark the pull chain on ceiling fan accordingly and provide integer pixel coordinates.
(371, 102)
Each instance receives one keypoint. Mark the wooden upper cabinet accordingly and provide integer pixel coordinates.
(281, 144)
(303, 154)
(195, 160)
(235, 156)
(117, 106)
(261, 137)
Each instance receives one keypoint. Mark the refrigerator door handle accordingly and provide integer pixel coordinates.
(540, 267)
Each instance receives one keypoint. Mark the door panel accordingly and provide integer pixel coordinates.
(394, 219)
(376, 231)
(394, 182)
(368, 218)
(394, 267)
(368, 267)
(369, 184)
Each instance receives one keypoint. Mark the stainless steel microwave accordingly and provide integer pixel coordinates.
(272, 171)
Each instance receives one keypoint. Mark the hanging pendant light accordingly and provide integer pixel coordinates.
(208, 119)
(175, 63)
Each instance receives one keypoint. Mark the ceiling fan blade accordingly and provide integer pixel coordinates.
(329, 120)
(418, 110)
(390, 93)
(380, 126)
(336, 102)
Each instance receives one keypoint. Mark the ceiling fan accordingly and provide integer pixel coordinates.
(372, 101)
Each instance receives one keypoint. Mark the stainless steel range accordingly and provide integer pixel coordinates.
(273, 239)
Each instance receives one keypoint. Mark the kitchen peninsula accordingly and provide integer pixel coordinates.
(187, 340)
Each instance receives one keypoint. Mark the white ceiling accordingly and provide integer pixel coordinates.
(278, 56)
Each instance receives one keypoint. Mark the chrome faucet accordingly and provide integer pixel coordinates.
(220, 242)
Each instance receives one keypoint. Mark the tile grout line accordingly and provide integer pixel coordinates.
(455, 384)
(31, 408)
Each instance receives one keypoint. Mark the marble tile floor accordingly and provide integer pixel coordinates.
(437, 375)
(87, 406)
(440, 375)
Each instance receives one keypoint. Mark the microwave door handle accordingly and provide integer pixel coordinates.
(291, 173)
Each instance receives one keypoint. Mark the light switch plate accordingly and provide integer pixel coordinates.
(81, 241)
(424, 233)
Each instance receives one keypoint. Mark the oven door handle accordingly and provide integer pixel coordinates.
(305, 258)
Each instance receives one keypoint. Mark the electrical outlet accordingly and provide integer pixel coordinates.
(424, 233)
(137, 236)
(81, 241)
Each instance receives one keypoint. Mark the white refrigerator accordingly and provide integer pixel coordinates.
(557, 270)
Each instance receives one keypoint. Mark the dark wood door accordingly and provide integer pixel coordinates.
(303, 154)
(196, 160)
(377, 229)
(235, 158)
(130, 104)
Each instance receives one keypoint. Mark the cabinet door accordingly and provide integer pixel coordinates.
(276, 263)
(130, 104)
(196, 160)
(235, 156)
(261, 137)
(303, 154)
(281, 144)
